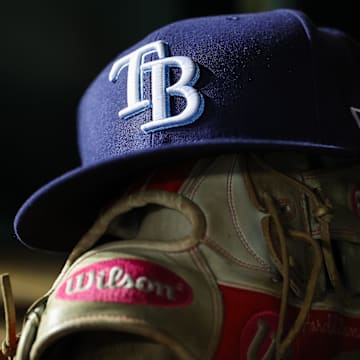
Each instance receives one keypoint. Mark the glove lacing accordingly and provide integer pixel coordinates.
(283, 267)
(9, 345)
(322, 253)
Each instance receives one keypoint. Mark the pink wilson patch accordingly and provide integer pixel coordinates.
(129, 281)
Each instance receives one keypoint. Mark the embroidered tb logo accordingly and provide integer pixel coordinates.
(161, 89)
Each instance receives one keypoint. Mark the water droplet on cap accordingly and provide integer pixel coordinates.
(232, 18)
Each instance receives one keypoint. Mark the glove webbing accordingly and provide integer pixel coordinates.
(283, 267)
(321, 250)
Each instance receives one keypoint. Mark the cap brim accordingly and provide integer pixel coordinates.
(56, 216)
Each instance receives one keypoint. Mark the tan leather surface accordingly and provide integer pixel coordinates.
(211, 233)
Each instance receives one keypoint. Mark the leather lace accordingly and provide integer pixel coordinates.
(322, 254)
(282, 264)
(9, 345)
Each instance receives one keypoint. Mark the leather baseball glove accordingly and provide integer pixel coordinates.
(231, 257)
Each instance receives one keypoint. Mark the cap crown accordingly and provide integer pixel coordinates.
(268, 78)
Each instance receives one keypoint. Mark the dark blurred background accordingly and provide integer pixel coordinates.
(50, 52)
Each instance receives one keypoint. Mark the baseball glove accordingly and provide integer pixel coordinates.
(233, 257)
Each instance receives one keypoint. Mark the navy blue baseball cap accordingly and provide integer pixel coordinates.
(200, 87)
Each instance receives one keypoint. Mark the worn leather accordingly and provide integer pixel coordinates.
(209, 234)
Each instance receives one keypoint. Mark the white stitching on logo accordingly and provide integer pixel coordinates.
(117, 278)
(161, 88)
